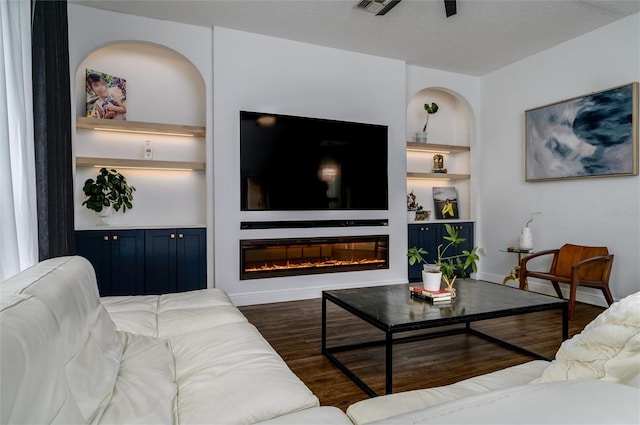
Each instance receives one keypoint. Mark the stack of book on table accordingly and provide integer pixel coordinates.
(436, 297)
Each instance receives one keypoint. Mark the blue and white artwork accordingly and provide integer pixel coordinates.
(593, 135)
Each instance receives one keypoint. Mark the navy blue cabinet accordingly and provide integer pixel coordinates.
(426, 236)
(175, 260)
(429, 235)
(143, 262)
(117, 257)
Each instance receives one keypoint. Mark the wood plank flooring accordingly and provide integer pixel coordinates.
(293, 329)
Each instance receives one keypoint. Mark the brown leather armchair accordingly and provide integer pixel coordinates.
(576, 265)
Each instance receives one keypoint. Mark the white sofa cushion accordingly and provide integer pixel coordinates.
(145, 392)
(378, 408)
(230, 375)
(170, 315)
(137, 315)
(563, 402)
(607, 349)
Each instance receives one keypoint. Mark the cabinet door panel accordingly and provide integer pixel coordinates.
(425, 236)
(465, 230)
(94, 245)
(191, 264)
(127, 262)
(160, 261)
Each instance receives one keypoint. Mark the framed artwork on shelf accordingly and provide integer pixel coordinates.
(445, 201)
(594, 135)
(106, 96)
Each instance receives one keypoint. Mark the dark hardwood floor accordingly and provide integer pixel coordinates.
(293, 329)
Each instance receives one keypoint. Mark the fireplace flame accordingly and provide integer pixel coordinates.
(316, 264)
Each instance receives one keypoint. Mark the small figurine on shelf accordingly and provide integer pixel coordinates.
(438, 164)
(412, 206)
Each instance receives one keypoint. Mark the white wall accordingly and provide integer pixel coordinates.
(260, 73)
(604, 211)
(161, 198)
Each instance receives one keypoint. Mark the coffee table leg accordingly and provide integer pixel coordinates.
(324, 323)
(389, 363)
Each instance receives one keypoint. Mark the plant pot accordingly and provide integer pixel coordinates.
(411, 215)
(421, 137)
(104, 215)
(431, 280)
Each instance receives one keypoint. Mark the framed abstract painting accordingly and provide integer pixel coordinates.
(595, 135)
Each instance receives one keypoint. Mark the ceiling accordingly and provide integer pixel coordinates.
(484, 36)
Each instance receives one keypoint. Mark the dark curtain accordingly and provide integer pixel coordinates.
(52, 127)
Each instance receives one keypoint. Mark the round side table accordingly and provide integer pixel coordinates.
(514, 274)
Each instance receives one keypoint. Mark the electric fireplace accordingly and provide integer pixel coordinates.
(265, 258)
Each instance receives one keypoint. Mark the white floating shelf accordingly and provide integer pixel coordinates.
(438, 176)
(436, 148)
(145, 164)
(140, 127)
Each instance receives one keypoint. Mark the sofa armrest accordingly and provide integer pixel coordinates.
(564, 402)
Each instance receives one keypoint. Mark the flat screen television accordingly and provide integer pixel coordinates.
(296, 163)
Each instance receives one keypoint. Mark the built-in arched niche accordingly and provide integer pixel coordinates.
(452, 124)
(162, 87)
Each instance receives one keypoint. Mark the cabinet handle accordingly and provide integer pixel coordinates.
(172, 236)
(180, 236)
(115, 237)
(105, 237)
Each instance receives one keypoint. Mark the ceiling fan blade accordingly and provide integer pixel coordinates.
(450, 7)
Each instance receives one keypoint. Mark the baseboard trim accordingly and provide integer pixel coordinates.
(546, 288)
(295, 294)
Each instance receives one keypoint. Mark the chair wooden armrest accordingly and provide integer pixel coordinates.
(608, 263)
(525, 260)
(602, 258)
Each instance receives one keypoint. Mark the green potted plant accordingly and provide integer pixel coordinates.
(412, 206)
(421, 137)
(109, 191)
(447, 267)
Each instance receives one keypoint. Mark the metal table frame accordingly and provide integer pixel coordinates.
(390, 331)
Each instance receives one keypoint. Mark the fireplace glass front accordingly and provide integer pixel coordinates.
(264, 258)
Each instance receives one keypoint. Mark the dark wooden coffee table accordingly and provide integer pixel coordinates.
(392, 310)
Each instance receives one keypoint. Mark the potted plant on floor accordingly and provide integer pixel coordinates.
(447, 267)
(109, 191)
(421, 137)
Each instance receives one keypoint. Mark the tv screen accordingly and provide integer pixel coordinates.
(296, 163)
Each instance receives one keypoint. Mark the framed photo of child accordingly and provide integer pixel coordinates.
(106, 96)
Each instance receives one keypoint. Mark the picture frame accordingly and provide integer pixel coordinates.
(445, 202)
(594, 135)
(106, 95)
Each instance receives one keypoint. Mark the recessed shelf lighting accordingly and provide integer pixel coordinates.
(128, 167)
(427, 150)
(164, 133)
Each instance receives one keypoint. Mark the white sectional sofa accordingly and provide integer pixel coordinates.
(68, 357)
(189, 358)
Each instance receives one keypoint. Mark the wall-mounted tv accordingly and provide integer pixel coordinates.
(296, 163)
